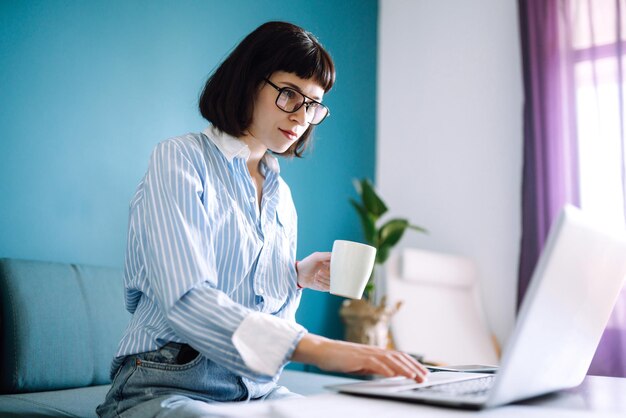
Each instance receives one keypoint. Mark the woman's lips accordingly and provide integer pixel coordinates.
(292, 136)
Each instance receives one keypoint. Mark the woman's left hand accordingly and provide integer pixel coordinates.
(314, 272)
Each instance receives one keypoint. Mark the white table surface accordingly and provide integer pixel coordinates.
(597, 397)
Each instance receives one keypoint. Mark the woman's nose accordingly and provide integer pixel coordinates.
(300, 116)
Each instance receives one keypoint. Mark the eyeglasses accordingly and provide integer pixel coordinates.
(290, 100)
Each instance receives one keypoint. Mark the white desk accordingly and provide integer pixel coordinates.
(597, 397)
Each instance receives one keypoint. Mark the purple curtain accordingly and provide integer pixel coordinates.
(550, 175)
(570, 48)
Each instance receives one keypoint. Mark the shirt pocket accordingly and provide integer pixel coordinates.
(285, 228)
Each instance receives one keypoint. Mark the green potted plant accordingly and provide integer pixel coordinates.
(365, 321)
(383, 237)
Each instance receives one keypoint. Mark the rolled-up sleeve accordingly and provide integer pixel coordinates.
(182, 273)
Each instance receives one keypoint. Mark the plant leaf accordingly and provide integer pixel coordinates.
(369, 288)
(372, 202)
(418, 229)
(391, 232)
(367, 222)
(382, 254)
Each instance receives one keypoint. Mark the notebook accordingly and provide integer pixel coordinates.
(570, 297)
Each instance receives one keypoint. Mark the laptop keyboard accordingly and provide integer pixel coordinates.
(473, 387)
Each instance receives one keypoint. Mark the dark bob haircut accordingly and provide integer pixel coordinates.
(227, 100)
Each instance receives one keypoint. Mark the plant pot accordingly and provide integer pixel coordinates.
(366, 323)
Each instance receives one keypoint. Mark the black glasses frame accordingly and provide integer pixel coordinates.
(304, 102)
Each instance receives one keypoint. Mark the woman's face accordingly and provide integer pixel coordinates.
(273, 128)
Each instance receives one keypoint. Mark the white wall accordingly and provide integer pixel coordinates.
(450, 134)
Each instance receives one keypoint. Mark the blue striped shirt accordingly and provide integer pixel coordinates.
(202, 257)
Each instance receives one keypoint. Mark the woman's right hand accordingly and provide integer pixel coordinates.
(341, 356)
(314, 272)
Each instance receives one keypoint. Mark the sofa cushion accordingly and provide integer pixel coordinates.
(59, 324)
(80, 402)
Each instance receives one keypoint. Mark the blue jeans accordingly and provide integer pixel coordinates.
(174, 381)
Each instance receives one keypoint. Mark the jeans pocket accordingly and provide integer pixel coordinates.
(169, 359)
(199, 379)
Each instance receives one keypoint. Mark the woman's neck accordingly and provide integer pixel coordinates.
(257, 151)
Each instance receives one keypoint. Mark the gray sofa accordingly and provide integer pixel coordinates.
(59, 328)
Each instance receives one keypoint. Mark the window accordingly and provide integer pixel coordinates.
(599, 68)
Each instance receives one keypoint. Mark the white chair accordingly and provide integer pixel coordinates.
(441, 316)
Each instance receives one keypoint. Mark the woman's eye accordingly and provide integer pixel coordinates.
(290, 94)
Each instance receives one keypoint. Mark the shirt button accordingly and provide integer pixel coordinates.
(261, 291)
(252, 199)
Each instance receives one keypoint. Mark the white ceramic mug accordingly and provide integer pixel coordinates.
(351, 265)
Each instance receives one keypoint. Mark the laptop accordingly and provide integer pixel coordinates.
(572, 292)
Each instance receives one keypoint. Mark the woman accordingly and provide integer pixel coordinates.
(211, 276)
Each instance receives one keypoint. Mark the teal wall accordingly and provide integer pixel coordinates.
(87, 88)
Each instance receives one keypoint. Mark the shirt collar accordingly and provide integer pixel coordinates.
(232, 147)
